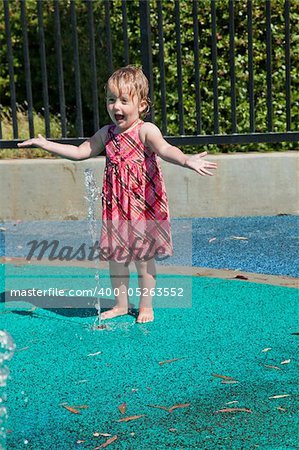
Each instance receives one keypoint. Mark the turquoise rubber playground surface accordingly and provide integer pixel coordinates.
(219, 372)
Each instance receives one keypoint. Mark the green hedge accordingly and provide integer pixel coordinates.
(188, 86)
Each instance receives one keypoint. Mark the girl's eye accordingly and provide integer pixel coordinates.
(110, 100)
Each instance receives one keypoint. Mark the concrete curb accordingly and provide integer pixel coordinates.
(226, 274)
(244, 185)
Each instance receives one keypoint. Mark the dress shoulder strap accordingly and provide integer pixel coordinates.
(110, 133)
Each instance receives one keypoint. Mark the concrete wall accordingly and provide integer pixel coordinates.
(244, 185)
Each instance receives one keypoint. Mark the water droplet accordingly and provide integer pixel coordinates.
(93, 193)
(7, 346)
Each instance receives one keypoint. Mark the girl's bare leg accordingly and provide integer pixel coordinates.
(119, 276)
(146, 280)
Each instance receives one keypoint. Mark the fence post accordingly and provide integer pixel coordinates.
(146, 49)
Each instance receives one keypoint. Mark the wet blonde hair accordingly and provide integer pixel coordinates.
(133, 79)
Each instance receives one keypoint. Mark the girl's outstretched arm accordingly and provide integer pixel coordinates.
(92, 147)
(152, 138)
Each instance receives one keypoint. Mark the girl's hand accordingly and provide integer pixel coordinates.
(40, 141)
(195, 162)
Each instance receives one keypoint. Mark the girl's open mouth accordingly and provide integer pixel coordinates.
(119, 117)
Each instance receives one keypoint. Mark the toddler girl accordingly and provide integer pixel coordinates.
(135, 214)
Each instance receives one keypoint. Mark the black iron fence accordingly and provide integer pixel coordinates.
(220, 71)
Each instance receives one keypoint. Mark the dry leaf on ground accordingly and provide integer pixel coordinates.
(97, 434)
(241, 277)
(181, 405)
(108, 442)
(266, 349)
(212, 240)
(239, 238)
(167, 361)
(94, 354)
(229, 410)
(280, 396)
(225, 377)
(72, 410)
(127, 419)
(159, 407)
(172, 408)
(286, 361)
(272, 367)
(122, 408)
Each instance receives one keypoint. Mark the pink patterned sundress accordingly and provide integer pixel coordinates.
(135, 213)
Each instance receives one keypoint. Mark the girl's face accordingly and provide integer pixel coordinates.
(124, 109)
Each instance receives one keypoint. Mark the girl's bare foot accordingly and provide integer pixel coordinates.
(114, 312)
(145, 315)
(147, 281)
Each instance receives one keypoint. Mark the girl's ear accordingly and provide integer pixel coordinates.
(143, 106)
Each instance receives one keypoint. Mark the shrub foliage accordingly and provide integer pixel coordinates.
(100, 11)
